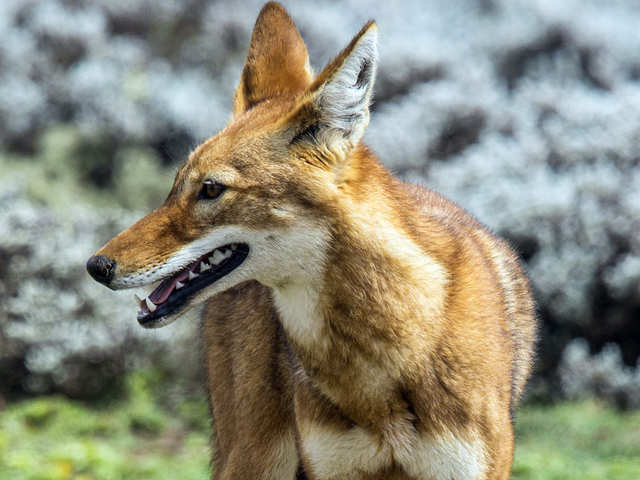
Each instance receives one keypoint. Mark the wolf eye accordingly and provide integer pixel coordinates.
(211, 190)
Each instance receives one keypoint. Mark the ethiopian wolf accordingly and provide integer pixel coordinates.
(354, 326)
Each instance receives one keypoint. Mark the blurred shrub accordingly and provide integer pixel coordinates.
(523, 112)
(59, 330)
(603, 375)
(140, 180)
(72, 167)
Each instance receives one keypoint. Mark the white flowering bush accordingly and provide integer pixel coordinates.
(524, 112)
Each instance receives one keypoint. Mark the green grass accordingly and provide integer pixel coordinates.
(585, 441)
(55, 438)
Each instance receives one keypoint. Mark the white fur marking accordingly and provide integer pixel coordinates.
(299, 313)
(336, 454)
(444, 457)
(344, 100)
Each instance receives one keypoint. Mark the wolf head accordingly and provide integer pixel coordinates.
(254, 202)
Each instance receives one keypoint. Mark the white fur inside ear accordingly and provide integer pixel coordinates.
(344, 100)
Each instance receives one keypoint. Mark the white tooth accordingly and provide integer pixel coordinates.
(217, 257)
(204, 266)
(179, 285)
(227, 253)
(192, 275)
(150, 305)
(138, 299)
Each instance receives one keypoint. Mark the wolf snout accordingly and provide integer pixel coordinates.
(101, 268)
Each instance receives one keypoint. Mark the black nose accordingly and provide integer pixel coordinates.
(101, 268)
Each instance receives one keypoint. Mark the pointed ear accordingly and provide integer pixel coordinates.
(336, 113)
(277, 62)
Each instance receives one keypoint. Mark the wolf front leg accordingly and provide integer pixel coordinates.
(248, 381)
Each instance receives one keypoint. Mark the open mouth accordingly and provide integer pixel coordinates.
(174, 291)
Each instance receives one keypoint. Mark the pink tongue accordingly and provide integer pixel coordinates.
(162, 291)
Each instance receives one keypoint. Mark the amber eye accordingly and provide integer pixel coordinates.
(211, 190)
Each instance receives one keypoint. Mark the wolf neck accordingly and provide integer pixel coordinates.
(354, 317)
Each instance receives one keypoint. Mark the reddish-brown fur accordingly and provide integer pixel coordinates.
(427, 319)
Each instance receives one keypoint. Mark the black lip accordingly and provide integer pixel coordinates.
(179, 297)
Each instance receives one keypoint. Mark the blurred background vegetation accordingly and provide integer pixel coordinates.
(524, 112)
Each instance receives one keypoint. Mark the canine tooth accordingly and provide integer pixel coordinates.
(179, 285)
(150, 305)
(204, 266)
(192, 275)
(227, 253)
(137, 297)
(217, 257)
